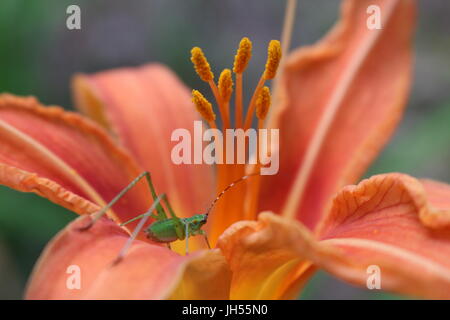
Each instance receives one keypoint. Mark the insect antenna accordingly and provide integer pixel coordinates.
(226, 189)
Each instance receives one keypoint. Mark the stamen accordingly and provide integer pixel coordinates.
(203, 106)
(273, 59)
(225, 85)
(251, 198)
(259, 104)
(263, 103)
(203, 69)
(222, 105)
(251, 106)
(243, 55)
(201, 65)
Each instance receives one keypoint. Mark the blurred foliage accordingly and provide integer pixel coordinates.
(38, 56)
(420, 150)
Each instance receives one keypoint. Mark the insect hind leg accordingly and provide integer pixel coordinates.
(96, 216)
(138, 228)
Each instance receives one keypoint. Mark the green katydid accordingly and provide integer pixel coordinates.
(163, 229)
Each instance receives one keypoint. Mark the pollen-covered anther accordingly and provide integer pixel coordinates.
(225, 85)
(273, 59)
(263, 103)
(243, 55)
(203, 106)
(201, 65)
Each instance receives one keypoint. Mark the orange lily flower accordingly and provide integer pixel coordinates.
(337, 104)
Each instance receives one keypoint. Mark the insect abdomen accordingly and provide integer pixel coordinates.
(162, 231)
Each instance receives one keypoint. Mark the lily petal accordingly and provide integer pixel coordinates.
(383, 221)
(439, 204)
(146, 272)
(142, 107)
(207, 277)
(398, 223)
(264, 261)
(30, 182)
(340, 101)
(65, 158)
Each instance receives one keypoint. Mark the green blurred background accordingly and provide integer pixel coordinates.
(38, 55)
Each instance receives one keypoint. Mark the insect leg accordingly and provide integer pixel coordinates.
(178, 223)
(136, 218)
(159, 208)
(203, 233)
(137, 229)
(186, 232)
(161, 213)
(105, 209)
